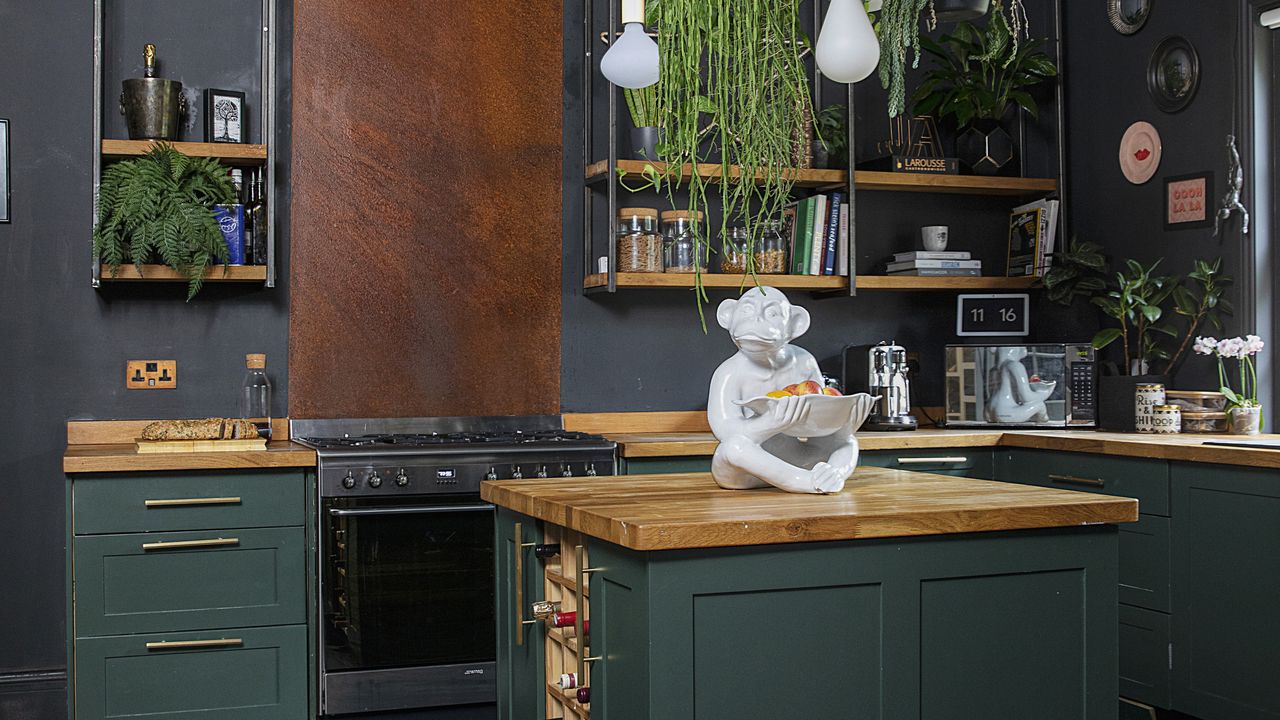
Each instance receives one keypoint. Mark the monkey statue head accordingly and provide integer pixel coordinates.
(762, 321)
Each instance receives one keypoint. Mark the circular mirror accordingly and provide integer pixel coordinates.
(1128, 16)
(1173, 74)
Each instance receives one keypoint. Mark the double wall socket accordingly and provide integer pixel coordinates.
(151, 374)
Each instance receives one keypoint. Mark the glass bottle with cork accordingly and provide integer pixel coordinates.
(255, 394)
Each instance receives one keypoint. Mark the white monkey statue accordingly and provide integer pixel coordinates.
(754, 452)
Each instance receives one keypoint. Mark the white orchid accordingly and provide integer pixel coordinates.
(1205, 345)
(1253, 345)
(1231, 347)
(1242, 349)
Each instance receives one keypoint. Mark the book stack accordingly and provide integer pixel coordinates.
(946, 263)
(1033, 231)
(817, 230)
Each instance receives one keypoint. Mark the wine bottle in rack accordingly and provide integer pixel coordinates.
(571, 631)
(584, 695)
(545, 551)
(544, 609)
(564, 619)
(568, 681)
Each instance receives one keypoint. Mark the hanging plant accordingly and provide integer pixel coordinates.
(731, 79)
(160, 207)
(898, 28)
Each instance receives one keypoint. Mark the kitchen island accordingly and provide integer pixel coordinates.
(905, 595)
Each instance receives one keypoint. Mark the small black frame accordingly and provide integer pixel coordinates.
(1210, 206)
(214, 134)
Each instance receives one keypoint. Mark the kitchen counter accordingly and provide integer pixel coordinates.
(666, 512)
(124, 457)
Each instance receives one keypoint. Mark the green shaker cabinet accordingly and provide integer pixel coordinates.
(187, 595)
(963, 462)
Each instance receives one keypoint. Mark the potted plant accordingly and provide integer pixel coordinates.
(159, 207)
(980, 75)
(950, 11)
(1242, 406)
(831, 146)
(642, 105)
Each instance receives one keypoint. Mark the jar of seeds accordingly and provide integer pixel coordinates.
(639, 242)
(736, 250)
(771, 250)
(683, 241)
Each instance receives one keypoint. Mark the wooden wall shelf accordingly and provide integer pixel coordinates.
(229, 153)
(655, 281)
(863, 179)
(164, 273)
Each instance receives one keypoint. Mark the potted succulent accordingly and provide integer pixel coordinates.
(980, 76)
(160, 207)
(1242, 406)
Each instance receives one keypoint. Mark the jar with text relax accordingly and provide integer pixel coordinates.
(735, 251)
(639, 242)
(684, 241)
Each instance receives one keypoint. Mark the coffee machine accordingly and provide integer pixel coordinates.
(881, 370)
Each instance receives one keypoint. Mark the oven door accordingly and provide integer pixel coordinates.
(407, 596)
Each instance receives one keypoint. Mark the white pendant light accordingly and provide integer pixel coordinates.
(847, 49)
(632, 60)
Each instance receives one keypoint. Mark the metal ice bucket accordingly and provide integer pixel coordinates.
(151, 106)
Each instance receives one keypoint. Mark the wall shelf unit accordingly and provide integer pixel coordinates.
(164, 273)
(237, 154)
(815, 283)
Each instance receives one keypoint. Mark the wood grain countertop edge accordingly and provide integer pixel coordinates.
(120, 457)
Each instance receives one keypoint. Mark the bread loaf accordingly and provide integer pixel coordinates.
(207, 429)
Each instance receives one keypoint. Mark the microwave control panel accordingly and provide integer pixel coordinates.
(1083, 403)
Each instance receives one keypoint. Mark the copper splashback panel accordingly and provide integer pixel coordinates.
(425, 252)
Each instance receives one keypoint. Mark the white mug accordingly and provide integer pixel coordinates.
(934, 237)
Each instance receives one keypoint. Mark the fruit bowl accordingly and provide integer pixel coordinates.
(826, 413)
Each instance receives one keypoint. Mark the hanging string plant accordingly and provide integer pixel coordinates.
(731, 80)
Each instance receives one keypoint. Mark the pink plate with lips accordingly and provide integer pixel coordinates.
(1140, 152)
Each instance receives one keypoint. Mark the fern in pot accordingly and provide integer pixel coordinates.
(159, 208)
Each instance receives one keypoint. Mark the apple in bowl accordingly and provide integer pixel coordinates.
(822, 413)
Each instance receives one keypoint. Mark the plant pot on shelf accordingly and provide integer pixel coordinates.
(985, 147)
(1116, 395)
(951, 11)
(644, 143)
(1245, 421)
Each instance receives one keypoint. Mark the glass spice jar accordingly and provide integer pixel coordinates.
(737, 248)
(639, 242)
(771, 250)
(685, 246)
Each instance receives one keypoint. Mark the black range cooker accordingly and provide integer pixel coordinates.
(405, 556)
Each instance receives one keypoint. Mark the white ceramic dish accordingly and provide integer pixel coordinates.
(826, 413)
(1140, 152)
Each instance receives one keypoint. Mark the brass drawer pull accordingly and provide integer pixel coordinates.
(189, 644)
(920, 460)
(185, 502)
(182, 544)
(1073, 480)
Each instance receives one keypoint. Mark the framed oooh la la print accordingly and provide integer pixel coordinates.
(1188, 201)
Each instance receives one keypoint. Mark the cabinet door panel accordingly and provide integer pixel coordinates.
(1144, 563)
(1226, 582)
(155, 502)
(961, 462)
(1144, 656)
(658, 466)
(1146, 480)
(521, 688)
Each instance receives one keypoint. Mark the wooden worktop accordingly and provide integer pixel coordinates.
(103, 446)
(668, 512)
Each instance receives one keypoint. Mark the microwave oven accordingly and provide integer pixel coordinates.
(1026, 386)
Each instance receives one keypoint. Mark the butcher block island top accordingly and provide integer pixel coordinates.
(670, 512)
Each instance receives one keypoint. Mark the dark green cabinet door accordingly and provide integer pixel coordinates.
(233, 674)
(658, 466)
(1226, 590)
(151, 502)
(521, 687)
(1144, 656)
(1144, 563)
(961, 462)
(158, 582)
(1146, 480)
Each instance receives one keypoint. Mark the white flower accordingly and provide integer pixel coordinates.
(1205, 345)
(1253, 345)
(1231, 348)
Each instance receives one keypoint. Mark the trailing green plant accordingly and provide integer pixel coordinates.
(160, 207)
(979, 72)
(898, 29)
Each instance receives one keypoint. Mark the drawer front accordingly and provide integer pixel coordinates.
(658, 466)
(160, 582)
(1146, 480)
(237, 674)
(962, 462)
(203, 501)
(1144, 656)
(1145, 563)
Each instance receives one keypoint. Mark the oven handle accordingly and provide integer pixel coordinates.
(414, 510)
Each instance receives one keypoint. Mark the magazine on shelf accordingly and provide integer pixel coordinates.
(942, 272)
(935, 265)
(1025, 241)
(932, 255)
(1048, 232)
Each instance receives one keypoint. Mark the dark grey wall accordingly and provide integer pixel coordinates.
(65, 343)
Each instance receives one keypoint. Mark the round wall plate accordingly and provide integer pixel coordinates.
(1140, 152)
(1173, 75)
(1128, 16)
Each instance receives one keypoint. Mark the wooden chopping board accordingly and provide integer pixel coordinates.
(196, 446)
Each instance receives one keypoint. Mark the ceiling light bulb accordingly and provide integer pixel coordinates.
(632, 60)
(847, 49)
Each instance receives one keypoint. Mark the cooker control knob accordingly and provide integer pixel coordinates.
(349, 481)
(542, 471)
(568, 471)
(374, 480)
(402, 478)
(516, 474)
(492, 474)
(591, 470)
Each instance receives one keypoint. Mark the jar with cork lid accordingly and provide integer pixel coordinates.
(639, 242)
(683, 240)
(255, 394)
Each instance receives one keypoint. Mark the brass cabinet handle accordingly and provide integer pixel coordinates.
(919, 460)
(1073, 480)
(520, 545)
(189, 644)
(184, 502)
(181, 544)
(580, 613)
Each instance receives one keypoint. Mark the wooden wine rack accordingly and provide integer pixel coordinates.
(561, 652)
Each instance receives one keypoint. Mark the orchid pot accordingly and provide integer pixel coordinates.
(1246, 420)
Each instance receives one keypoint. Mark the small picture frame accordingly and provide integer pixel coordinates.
(224, 120)
(4, 170)
(1188, 201)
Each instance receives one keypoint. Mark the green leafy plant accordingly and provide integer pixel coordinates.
(1135, 303)
(979, 73)
(1078, 271)
(642, 103)
(832, 125)
(160, 207)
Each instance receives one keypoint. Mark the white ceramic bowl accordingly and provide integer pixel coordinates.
(827, 413)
